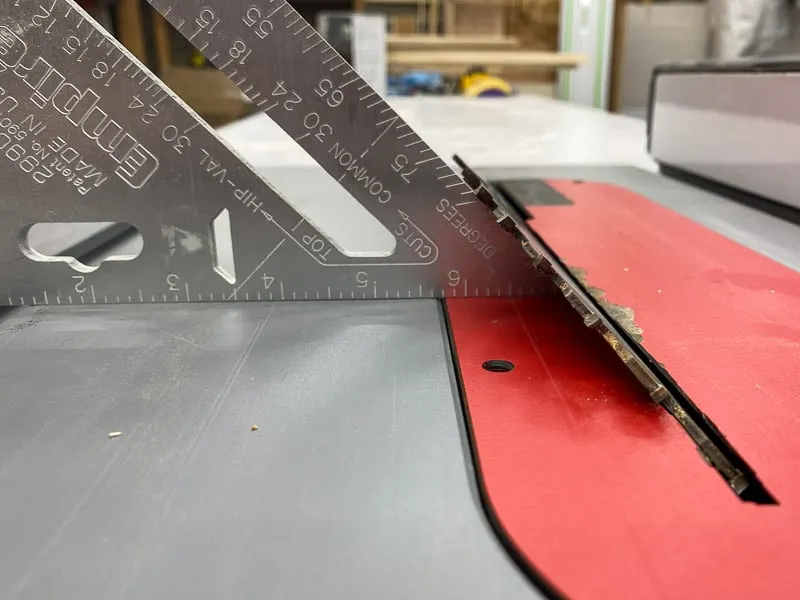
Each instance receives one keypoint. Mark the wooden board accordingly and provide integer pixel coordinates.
(161, 37)
(403, 25)
(450, 42)
(129, 28)
(208, 91)
(433, 16)
(468, 18)
(489, 59)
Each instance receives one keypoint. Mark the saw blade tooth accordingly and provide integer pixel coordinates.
(486, 197)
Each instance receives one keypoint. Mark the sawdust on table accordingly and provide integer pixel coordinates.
(623, 315)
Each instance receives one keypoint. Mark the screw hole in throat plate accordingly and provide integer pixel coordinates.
(498, 366)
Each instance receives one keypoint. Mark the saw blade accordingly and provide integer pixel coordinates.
(650, 374)
(89, 135)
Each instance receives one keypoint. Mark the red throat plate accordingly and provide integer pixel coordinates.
(599, 491)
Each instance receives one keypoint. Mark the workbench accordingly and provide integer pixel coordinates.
(358, 482)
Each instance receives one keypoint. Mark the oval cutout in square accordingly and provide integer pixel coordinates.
(83, 246)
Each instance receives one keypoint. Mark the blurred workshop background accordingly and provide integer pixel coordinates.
(598, 53)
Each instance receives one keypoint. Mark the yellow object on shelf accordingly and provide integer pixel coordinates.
(479, 84)
(198, 60)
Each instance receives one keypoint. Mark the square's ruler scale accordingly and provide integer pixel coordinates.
(88, 134)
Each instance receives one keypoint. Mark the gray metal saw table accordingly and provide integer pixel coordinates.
(357, 483)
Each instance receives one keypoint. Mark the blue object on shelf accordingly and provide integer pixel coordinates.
(416, 83)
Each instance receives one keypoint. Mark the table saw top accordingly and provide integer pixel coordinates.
(358, 482)
(520, 131)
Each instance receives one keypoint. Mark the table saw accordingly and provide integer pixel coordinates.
(544, 370)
